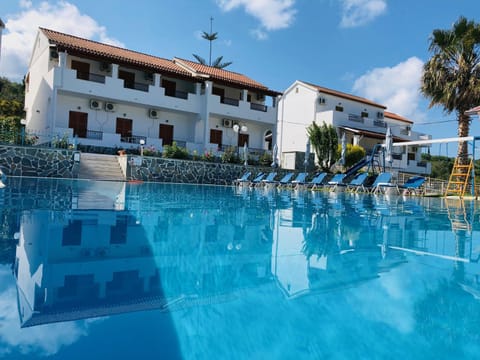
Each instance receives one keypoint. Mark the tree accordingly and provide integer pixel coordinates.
(324, 141)
(217, 63)
(451, 78)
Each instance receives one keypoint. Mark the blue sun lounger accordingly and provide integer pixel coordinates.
(412, 185)
(382, 181)
(243, 180)
(357, 183)
(336, 181)
(317, 181)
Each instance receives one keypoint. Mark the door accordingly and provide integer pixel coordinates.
(83, 69)
(128, 79)
(124, 128)
(219, 92)
(166, 134)
(216, 137)
(170, 87)
(242, 139)
(78, 121)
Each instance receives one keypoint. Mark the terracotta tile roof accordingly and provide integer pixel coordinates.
(181, 67)
(396, 117)
(221, 74)
(108, 52)
(345, 95)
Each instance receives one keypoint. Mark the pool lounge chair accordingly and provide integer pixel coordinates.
(317, 181)
(257, 179)
(284, 181)
(336, 181)
(243, 180)
(269, 179)
(299, 180)
(413, 184)
(357, 183)
(382, 182)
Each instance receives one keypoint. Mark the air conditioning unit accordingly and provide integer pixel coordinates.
(153, 113)
(95, 104)
(379, 115)
(110, 106)
(104, 66)
(322, 100)
(227, 123)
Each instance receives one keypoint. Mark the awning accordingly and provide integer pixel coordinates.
(369, 134)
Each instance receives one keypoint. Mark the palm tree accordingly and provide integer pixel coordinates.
(451, 78)
(217, 63)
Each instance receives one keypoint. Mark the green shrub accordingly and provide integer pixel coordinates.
(266, 159)
(354, 154)
(230, 156)
(208, 156)
(174, 152)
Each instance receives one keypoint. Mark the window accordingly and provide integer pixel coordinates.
(364, 114)
(118, 233)
(339, 108)
(72, 233)
(78, 122)
(268, 139)
(166, 134)
(216, 137)
(83, 69)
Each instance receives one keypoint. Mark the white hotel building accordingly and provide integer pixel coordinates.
(109, 96)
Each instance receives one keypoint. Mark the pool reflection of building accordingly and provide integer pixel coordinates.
(87, 263)
(149, 249)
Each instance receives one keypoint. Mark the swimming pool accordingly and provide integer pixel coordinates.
(113, 270)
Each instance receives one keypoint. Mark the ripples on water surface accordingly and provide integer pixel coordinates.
(111, 270)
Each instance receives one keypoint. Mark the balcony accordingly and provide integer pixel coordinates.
(229, 101)
(179, 94)
(91, 77)
(133, 139)
(137, 86)
(356, 118)
(379, 123)
(258, 107)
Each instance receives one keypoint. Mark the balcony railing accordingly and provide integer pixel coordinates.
(356, 118)
(136, 86)
(258, 107)
(230, 101)
(177, 94)
(134, 139)
(379, 123)
(91, 77)
(96, 135)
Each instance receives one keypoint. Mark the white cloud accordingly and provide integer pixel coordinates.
(396, 87)
(272, 14)
(21, 29)
(35, 339)
(360, 12)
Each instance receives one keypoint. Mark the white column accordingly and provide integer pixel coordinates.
(157, 78)
(115, 71)
(206, 114)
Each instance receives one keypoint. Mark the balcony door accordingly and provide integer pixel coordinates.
(170, 87)
(242, 139)
(78, 121)
(124, 128)
(83, 69)
(166, 134)
(219, 92)
(128, 79)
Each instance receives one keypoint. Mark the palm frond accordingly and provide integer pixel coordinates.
(199, 59)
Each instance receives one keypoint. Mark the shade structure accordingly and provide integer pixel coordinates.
(274, 156)
(245, 153)
(344, 149)
(388, 146)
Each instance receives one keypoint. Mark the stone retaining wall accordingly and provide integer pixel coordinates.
(38, 162)
(60, 163)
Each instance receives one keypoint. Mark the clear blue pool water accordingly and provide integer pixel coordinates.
(105, 270)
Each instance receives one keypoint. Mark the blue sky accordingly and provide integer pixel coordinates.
(370, 48)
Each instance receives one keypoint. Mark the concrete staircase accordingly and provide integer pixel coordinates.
(100, 167)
